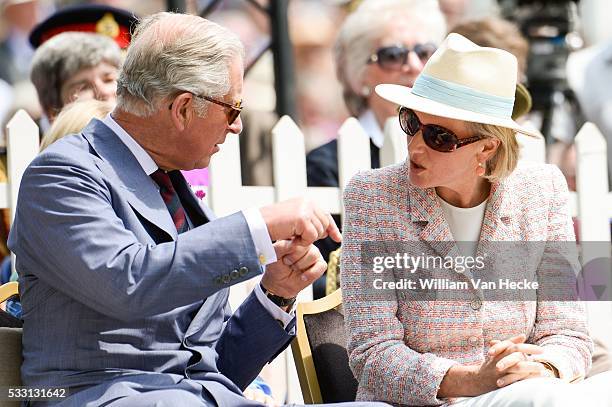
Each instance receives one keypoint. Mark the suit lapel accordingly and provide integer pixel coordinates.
(119, 163)
(498, 215)
(424, 207)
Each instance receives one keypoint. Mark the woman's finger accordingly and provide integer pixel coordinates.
(528, 367)
(503, 345)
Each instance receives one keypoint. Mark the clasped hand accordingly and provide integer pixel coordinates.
(300, 220)
(510, 361)
(297, 267)
(295, 225)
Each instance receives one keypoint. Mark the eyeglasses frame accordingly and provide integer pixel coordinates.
(460, 142)
(235, 109)
(375, 59)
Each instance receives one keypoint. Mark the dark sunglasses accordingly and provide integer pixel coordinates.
(436, 137)
(232, 112)
(394, 57)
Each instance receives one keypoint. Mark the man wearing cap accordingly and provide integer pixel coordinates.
(124, 272)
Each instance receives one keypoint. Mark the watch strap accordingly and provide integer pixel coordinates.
(277, 299)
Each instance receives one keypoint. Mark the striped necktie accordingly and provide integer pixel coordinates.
(171, 199)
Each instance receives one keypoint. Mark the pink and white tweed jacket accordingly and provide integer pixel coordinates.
(400, 350)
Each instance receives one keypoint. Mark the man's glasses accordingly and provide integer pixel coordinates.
(394, 57)
(232, 111)
(436, 137)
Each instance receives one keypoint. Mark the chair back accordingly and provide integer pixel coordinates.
(320, 352)
(10, 343)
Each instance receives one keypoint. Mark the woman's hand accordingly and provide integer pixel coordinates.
(506, 361)
(517, 364)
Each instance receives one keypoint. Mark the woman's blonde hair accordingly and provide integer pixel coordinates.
(504, 161)
(73, 118)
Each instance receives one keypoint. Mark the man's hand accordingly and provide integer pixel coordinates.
(300, 220)
(296, 268)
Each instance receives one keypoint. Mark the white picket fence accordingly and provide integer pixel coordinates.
(592, 204)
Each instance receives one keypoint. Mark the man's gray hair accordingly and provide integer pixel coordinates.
(62, 56)
(172, 53)
(365, 27)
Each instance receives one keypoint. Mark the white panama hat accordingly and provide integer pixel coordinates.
(463, 81)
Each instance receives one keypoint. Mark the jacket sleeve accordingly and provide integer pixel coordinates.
(385, 367)
(561, 326)
(67, 233)
(251, 338)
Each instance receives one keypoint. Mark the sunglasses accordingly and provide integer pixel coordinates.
(394, 57)
(436, 137)
(232, 112)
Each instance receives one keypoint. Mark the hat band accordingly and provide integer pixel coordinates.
(462, 97)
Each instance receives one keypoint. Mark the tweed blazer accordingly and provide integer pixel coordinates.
(400, 350)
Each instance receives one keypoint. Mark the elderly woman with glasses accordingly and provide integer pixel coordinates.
(426, 332)
(383, 41)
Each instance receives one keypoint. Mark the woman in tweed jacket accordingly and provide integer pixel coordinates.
(461, 182)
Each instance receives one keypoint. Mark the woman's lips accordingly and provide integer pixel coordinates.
(416, 167)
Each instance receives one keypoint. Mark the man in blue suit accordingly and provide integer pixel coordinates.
(124, 274)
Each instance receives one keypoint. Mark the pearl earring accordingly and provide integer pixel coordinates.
(480, 171)
(365, 91)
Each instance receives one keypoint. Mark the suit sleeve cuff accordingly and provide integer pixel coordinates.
(560, 362)
(277, 313)
(261, 237)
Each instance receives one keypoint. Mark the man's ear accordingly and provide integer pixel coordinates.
(488, 149)
(181, 110)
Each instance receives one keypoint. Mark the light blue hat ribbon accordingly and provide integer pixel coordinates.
(462, 97)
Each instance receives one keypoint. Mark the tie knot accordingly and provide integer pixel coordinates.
(162, 178)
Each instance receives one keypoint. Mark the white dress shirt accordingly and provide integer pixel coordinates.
(257, 226)
(370, 125)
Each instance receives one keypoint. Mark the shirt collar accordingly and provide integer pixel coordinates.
(371, 127)
(143, 158)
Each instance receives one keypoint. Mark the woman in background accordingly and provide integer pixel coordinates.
(382, 41)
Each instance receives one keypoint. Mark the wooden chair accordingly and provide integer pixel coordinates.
(320, 352)
(10, 346)
(332, 281)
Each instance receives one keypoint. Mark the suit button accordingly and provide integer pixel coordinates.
(473, 340)
(218, 280)
(243, 271)
(226, 278)
(234, 274)
(476, 303)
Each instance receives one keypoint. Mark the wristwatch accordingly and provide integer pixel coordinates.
(277, 299)
(551, 368)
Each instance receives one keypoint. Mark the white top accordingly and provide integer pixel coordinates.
(371, 127)
(257, 226)
(464, 224)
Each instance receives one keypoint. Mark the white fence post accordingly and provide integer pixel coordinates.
(594, 211)
(592, 184)
(289, 160)
(289, 169)
(22, 145)
(225, 178)
(353, 151)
